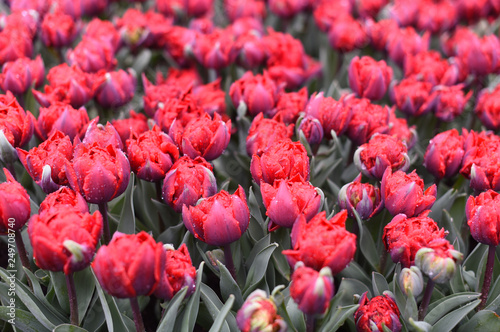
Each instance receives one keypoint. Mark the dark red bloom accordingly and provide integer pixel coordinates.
(488, 108)
(380, 152)
(151, 154)
(58, 29)
(220, 219)
(92, 55)
(130, 265)
(404, 236)
(258, 92)
(18, 76)
(137, 123)
(63, 199)
(444, 154)
(61, 117)
(379, 312)
(181, 9)
(65, 239)
(347, 34)
(322, 243)
(332, 114)
(362, 197)
(265, 132)
(483, 217)
(54, 153)
(404, 193)
(179, 273)
(285, 200)
(214, 50)
(99, 174)
(283, 160)
(312, 129)
(447, 102)
(15, 124)
(369, 78)
(370, 8)
(311, 290)
(249, 49)
(481, 160)
(15, 205)
(102, 135)
(187, 181)
(411, 95)
(114, 89)
(67, 84)
(93, 7)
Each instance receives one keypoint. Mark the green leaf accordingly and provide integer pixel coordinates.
(475, 262)
(37, 289)
(354, 271)
(214, 305)
(191, 310)
(141, 61)
(85, 285)
(483, 321)
(445, 305)
(448, 322)
(379, 284)
(221, 317)
(296, 315)
(229, 287)
(443, 203)
(258, 247)
(24, 320)
(366, 243)
(348, 288)
(69, 328)
(127, 216)
(258, 268)
(114, 319)
(58, 281)
(167, 323)
(254, 208)
(338, 318)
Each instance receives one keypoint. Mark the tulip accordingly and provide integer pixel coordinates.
(332, 114)
(103, 30)
(236, 9)
(214, 50)
(18, 76)
(347, 34)
(258, 93)
(58, 29)
(63, 198)
(444, 154)
(91, 55)
(289, 106)
(379, 311)
(437, 17)
(398, 127)
(405, 42)
(137, 123)
(327, 12)
(411, 95)
(438, 260)
(312, 290)
(369, 78)
(362, 197)
(487, 108)
(265, 132)
(181, 9)
(15, 43)
(103, 136)
(367, 119)
(249, 49)
(114, 89)
(404, 193)
(211, 98)
(187, 181)
(431, 68)
(411, 281)
(447, 102)
(15, 123)
(63, 118)
(312, 130)
(259, 313)
(287, 9)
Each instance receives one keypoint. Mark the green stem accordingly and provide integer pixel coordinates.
(73, 304)
(488, 273)
(21, 249)
(103, 208)
(139, 324)
(422, 311)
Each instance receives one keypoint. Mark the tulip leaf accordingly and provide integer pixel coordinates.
(207, 260)
(451, 227)
(229, 287)
(476, 262)
(442, 307)
(37, 289)
(58, 282)
(354, 271)
(141, 61)
(145, 209)
(214, 305)
(379, 284)
(127, 215)
(348, 288)
(296, 315)
(46, 314)
(258, 268)
(448, 322)
(258, 247)
(168, 321)
(482, 321)
(443, 203)
(24, 320)
(68, 328)
(114, 319)
(192, 307)
(254, 208)
(493, 301)
(457, 282)
(366, 243)
(339, 317)
(221, 317)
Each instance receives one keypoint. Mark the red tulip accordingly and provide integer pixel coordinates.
(15, 205)
(369, 78)
(380, 312)
(61, 117)
(114, 89)
(312, 290)
(259, 93)
(362, 197)
(58, 29)
(265, 132)
(63, 198)
(444, 154)
(483, 218)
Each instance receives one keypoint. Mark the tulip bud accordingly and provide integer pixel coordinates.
(362, 197)
(438, 260)
(369, 78)
(312, 130)
(444, 154)
(411, 281)
(259, 93)
(312, 290)
(259, 313)
(114, 89)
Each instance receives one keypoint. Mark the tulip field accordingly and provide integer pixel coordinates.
(249, 165)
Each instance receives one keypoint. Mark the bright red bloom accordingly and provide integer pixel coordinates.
(92, 55)
(380, 152)
(69, 85)
(61, 117)
(15, 43)
(181, 9)
(14, 204)
(488, 108)
(380, 311)
(99, 174)
(404, 236)
(289, 105)
(362, 197)
(428, 66)
(404, 193)
(332, 114)
(104, 31)
(283, 160)
(58, 29)
(437, 16)
(347, 34)
(137, 123)
(312, 290)
(179, 111)
(15, 123)
(265, 132)
(114, 89)
(483, 217)
(179, 43)
(379, 32)
(369, 78)
(447, 102)
(220, 219)
(287, 8)
(236, 9)
(210, 97)
(258, 92)
(65, 239)
(410, 96)
(179, 273)
(481, 160)
(130, 265)
(444, 154)
(61, 199)
(285, 200)
(322, 243)
(214, 50)
(405, 42)
(326, 12)
(187, 181)
(18, 76)
(151, 154)
(399, 128)
(156, 95)
(480, 56)
(249, 49)
(55, 152)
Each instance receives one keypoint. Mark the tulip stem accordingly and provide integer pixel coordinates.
(103, 208)
(228, 260)
(159, 198)
(139, 324)
(310, 322)
(21, 249)
(487, 277)
(422, 311)
(73, 304)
